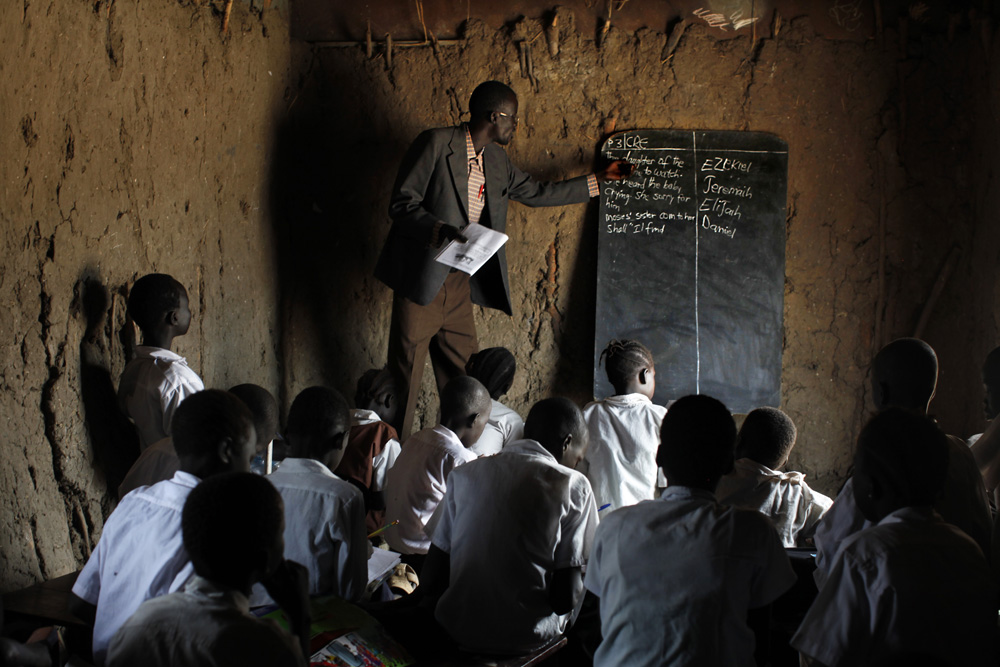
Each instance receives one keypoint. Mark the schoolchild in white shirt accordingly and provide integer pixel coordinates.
(232, 528)
(495, 368)
(911, 584)
(625, 429)
(157, 380)
(677, 576)
(418, 480)
(765, 440)
(513, 534)
(324, 515)
(141, 553)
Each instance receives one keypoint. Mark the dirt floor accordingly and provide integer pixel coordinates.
(137, 138)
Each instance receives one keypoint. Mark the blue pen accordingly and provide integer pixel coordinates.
(603, 507)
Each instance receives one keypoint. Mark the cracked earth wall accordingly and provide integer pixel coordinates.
(135, 138)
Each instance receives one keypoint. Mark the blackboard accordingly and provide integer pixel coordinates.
(691, 261)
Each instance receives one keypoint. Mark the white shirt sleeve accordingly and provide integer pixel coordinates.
(382, 463)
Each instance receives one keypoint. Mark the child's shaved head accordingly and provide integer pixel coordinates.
(767, 436)
(904, 375)
(465, 408)
(697, 442)
(264, 409)
(152, 297)
(317, 422)
(213, 432)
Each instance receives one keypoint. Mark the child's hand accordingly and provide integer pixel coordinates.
(288, 586)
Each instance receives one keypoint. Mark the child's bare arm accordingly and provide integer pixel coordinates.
(566, 589)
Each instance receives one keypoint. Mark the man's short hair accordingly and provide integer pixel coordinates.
(550, 420)
(766, 436)
(205, 419)
(907, 453)
(623, 359)
(228, 523)
(697, 441)
(318, 411)
(489, 96)
(495, 368)
(152, 297)
(262, 406)
(463, 396)
(908, 368)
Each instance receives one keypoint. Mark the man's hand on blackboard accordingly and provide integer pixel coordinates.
(615, 171)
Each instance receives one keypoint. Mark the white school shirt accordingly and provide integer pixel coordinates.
(205, 625)
(140, 556)
(509, 521)
(156, 463)
(416, 484)
(676, 577)
(386, 458)
(152, 385)
(910, 583)
(792, 506)
(504, 427)
(621, 458)
(324, 527)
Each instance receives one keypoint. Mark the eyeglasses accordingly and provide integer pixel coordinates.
(513, 119)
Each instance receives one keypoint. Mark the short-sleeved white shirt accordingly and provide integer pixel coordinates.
(785, 497)
(152, 385)
(676, 577)
(324, 527)
(621, 458)
(909, 583)
(140, 556)
(509, 521)
(156, 463)
(416, 484)
(504, 427)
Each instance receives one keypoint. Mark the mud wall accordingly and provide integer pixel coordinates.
(135, 138)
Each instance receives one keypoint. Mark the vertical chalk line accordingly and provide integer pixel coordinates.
(697, 329)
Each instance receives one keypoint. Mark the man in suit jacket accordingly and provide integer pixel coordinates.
(451, 177)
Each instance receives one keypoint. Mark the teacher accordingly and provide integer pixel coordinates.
(451, 177)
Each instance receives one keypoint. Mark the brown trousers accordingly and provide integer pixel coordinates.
(445, 327)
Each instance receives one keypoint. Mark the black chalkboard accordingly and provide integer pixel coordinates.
(691, 261)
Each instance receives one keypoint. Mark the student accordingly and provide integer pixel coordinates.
(676, 576)
(156, 381)
(911, 582)
(495, 368)
(141, 554)
(160, 461)
(372, 446)
(324, 515)
(625, 429)
(418, 481)
(232, 527)
(512, 536)
(904, 375)
(765, 440)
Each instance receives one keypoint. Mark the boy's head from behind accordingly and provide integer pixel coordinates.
(697, 442)
(495, 368)
(233, 527)
(901, 461)
(319, 422)
(629, 365)
(991, 384)
(767, 436)
(376, 391)
(213, 433)
(158, 304)
(558, 425)
(264, 410)
(465, 408)
(904, 375)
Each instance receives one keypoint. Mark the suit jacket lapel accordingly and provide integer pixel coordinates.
(459, 164)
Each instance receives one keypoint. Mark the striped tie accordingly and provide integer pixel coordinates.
(477, 194)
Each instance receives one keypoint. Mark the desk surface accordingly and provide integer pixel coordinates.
(46, 602)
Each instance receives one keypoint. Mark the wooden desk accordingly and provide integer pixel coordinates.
(46, 603)
(528, 660)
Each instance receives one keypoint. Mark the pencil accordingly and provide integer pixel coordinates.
(603, 507)
(388, 525)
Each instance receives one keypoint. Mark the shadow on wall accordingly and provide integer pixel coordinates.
(333, 167)
(112, 436)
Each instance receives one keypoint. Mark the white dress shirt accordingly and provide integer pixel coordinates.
(676, 577)
(324, 527)
(504, 427)
(910, 583)
(156, 463)
(416, 484)
(140, 556)
(621, 459)
(204, 625)
(152, 385)
(509, 521)
(785, 497)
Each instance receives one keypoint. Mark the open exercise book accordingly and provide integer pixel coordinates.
(344, 635)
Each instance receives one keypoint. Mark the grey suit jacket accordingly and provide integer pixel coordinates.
(432, 186)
